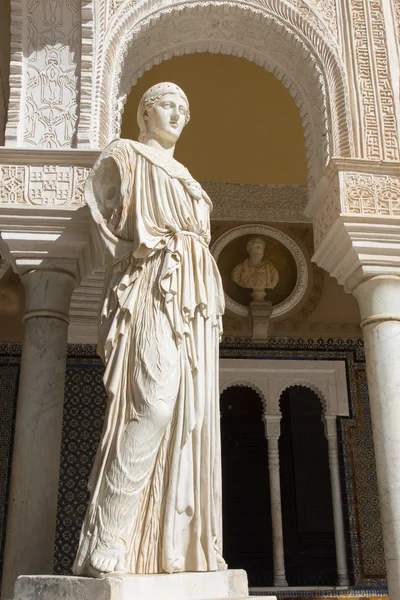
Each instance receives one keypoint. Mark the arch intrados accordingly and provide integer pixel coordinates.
(245, 383)
(325, 65)
(308, 385)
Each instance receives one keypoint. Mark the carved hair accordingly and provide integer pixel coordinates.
(251, 243)
(150, 99)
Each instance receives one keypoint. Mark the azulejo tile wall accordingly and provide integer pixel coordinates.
(84, 407)
(9, 375)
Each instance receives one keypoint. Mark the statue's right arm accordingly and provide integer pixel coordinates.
(103, 196)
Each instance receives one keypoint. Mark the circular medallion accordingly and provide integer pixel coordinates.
(230, 251)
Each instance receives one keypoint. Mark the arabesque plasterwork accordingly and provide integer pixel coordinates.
(259, 33)
(245, 202)
(52, 50)
(379, 127)
(367, 194)
(327, 211)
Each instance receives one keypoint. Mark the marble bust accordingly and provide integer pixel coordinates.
(155, 503)
(256, 272)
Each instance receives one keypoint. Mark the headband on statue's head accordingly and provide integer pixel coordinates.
(152, 96)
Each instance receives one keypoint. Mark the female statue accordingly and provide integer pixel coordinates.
(155, 487)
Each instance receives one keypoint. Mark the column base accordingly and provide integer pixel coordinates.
(179, 586)
(280, 581)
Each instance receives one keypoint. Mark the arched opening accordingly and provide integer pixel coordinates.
(307, 514)
(298, 49)
(247, 534)
(245, 126)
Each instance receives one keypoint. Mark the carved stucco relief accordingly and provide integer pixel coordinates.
(44, 185)
(375, 90)
(328, 211)
(245, 202)
(366, 194)
(322, 13)
(3, 104)
(396, 4)
(241, 35)
(291, 40)
(51, 45)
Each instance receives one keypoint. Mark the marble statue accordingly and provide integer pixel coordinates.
(155, 502)
(256, 272)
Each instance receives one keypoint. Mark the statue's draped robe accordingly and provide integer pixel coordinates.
(159, 333)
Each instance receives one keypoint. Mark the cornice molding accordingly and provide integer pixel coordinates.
(39, 156)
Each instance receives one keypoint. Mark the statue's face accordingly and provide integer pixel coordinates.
(256, 249)
(167, 118)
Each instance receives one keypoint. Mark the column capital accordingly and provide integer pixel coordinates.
(272, 426)
(356, 217)
(329, 422)
(379, 299)
(48, 293)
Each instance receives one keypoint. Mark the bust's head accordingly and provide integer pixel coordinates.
(162, 113)
(255, 248)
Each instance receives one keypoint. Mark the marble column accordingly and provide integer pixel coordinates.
(32, 508)
(272, 432)
(340, 540)
(379, 301)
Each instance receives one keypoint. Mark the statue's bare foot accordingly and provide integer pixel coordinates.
(107, 560)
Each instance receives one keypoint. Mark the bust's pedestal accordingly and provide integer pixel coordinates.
(179, 586)
(260, 314)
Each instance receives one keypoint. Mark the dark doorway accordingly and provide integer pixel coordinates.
(306, 491)
(245, 484)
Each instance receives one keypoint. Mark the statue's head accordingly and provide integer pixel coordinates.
(255, 247)
(163, 112)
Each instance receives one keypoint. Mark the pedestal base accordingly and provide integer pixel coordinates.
(179, 586)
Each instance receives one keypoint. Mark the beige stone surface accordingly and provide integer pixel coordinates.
(180, 586)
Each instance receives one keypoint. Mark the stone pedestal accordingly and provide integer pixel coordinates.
(260, 315)
(179, 586)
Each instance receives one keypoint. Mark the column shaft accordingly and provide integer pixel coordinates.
(379, 300)
(272, 427)
(340, 540)
(32, 505)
